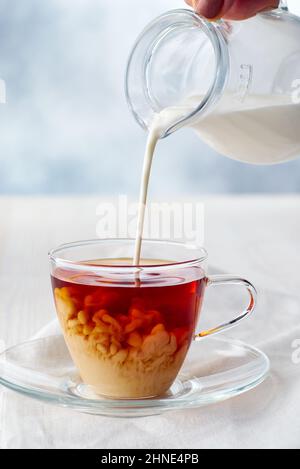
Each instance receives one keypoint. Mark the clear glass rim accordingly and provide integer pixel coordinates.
(221, 74)
(54, 256)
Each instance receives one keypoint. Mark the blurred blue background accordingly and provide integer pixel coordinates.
(65, 127)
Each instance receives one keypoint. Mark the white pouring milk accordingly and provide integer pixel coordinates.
(152, 140)
(264, 131)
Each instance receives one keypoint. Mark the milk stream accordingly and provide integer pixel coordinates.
(263, 130)
(152, 140)
(161, 122)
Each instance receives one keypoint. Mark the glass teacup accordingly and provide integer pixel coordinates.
(129, 328)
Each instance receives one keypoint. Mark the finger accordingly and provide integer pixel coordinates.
(209, 8)
(242, 9)
(192, 3)
(231, 9)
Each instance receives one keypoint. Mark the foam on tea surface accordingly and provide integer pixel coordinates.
(127, 262)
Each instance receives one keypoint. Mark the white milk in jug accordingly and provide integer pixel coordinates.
(265, 130)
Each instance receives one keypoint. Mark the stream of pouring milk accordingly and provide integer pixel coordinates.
(152, 140)
(265, 130)
(161, 122)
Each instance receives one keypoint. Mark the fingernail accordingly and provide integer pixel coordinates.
(209, 8)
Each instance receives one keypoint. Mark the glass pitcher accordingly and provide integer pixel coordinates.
(236, 82)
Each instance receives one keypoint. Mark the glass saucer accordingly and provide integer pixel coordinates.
(216, 369)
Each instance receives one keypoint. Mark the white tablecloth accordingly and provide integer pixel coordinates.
(255, 237)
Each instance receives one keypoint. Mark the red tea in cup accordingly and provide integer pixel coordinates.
(128, 328)
(129, 341)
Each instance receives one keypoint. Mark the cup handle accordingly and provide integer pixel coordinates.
(217, 280)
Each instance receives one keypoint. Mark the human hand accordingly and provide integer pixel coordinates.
(231, 9)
